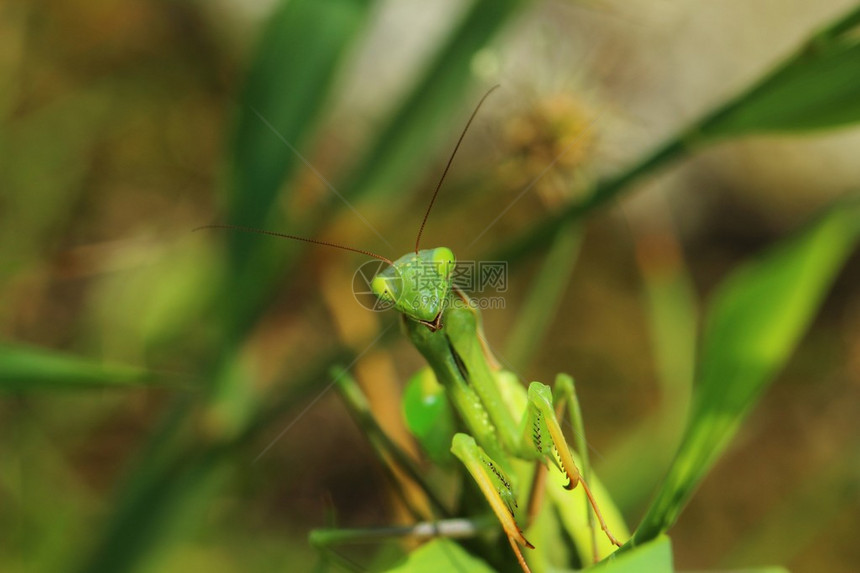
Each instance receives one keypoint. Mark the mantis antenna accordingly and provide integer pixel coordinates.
(448, 166)
(362, 251)
(295, 238)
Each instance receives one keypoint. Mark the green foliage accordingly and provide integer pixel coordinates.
(285, 94)
(818, 88)
(27, 369)
(441, 555)
(654, 556)
(754, 322)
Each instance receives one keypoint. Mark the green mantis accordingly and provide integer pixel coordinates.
(511, 433)
(446, 329)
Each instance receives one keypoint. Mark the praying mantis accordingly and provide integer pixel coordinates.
(511, 431)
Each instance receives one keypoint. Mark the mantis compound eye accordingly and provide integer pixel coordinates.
(445, 262)
(387, 288)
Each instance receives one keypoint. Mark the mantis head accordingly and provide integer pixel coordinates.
(417, 284)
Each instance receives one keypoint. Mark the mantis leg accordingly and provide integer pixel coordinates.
(496, 487)
(543, 437)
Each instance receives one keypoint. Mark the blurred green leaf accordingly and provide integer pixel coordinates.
(24, 369)
(817, 88)
(285, 94)
(286, 91)
(673, 320)
(756, 318)
(441, 555)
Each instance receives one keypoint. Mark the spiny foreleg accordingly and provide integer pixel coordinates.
(543, 435)
(496, 487)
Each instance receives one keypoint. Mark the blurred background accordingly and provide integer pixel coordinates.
(122, 125)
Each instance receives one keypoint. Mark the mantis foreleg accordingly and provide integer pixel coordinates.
(496, 487)
(544, 433)
(459, 360)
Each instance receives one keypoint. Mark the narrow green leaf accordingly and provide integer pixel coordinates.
(286, 91)
(387, 450)
(441, 555)
(817, 89)
(673, 319)
(285, 95)
(756, 319)
(24, 369)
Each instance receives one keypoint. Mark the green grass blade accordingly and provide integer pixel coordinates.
(285, 93)
(654, 557)
(25, 369)
(672, 306)
(819, 88)
(755, 320)
(841, 26)
(401, 149)
(385, 448)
